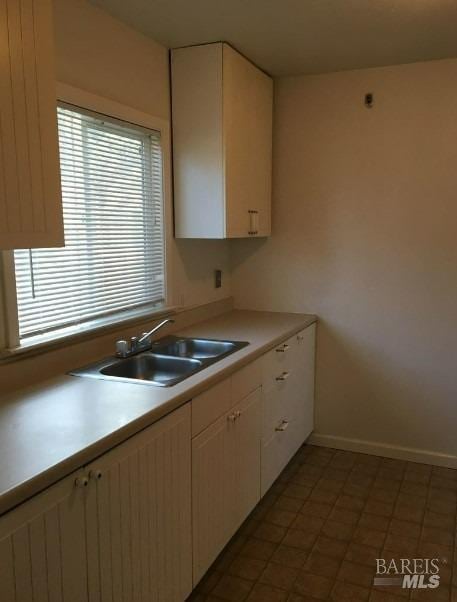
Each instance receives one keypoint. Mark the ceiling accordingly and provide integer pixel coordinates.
(289, 37)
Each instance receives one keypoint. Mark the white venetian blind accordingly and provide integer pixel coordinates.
(113, 259)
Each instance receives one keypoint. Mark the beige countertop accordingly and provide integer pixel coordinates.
(50, 430)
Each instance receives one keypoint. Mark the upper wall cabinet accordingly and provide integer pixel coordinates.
(30, 197)
(222, 139)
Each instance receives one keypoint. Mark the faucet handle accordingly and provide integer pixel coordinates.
(122, 348)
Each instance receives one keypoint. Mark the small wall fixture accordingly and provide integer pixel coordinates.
(369, 100)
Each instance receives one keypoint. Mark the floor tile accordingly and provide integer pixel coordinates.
(269, 532)
(330, 546)
(283, 518)
(315, 586)
(435, 535)
(349, 517)
(246, 568)
(279, 575)
(290, 504)
(311, 524)
(232, 588)
(405, 528)
(357, 574)
(350, 502)
(320, 510)
(323, 496)
(380, 508)
(369, 537)
(362, 554)
(259, 549)
(337, 530)
(299, 539)
(347, 592)
(321, 564)
(383, 596)
(441, 521)
(403, 546)
(298, 491)
(373, 521)
(265, 593)
(290, 556)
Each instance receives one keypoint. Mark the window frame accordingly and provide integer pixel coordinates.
(9, 327)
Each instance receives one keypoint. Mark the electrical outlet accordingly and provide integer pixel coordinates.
(217, 278)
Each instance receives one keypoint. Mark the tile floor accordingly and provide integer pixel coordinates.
(317, 532)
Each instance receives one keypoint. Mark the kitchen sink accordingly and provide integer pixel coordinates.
(169, 361)
(194, 348)
(157, 369)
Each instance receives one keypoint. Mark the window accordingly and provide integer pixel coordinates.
(112, 264)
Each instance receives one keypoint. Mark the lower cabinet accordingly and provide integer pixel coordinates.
(118, 530)
(145, 521)
(288, 402)
(43, 547)
(225, 478)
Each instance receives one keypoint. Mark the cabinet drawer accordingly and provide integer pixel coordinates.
(246, 380)
(274, 408)
(279, 449)
(279, 362)
(210, 405)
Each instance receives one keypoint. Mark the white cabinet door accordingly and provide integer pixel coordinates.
(138, 516)
(43, 547)
(246, 456)
(30, 197)
(248, 104)
(213, 482)
(225, 479)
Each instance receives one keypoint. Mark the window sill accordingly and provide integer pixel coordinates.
(36, 347)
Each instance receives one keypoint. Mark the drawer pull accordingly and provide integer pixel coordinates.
(283, 376)
(234, 416)
(82, 482)
(283, 348)
(282, 426)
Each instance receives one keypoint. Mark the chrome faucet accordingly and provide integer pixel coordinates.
(138, 344)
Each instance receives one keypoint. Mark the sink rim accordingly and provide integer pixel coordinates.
(94, 369)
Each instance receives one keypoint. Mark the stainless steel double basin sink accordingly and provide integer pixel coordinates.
(168, 362)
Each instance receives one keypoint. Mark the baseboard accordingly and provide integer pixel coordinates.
(383, 449)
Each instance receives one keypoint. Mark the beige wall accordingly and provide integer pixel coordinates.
(100, 54)
(365, 235)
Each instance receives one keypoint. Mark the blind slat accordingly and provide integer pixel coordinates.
(113, 260)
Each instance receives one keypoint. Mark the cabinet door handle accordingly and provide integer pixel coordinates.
(283, 376)
(282, 426)
(95, 475)
(234, 416)
(253, 222)
(82, 482)
(283, 348)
